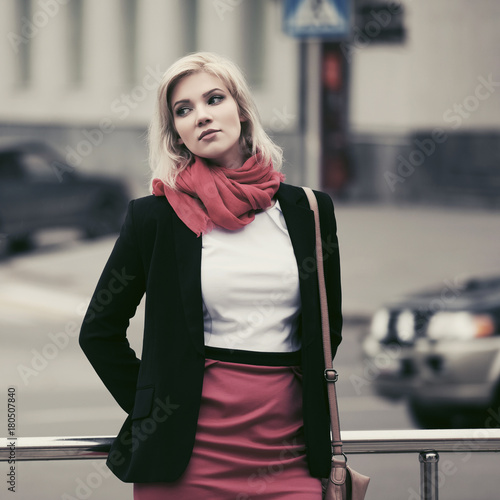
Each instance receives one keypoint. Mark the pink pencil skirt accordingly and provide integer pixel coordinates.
(249, 440)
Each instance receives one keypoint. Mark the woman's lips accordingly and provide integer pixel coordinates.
(207, 134)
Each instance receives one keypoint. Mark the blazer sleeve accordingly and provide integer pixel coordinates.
(103, 333)
(331, 257)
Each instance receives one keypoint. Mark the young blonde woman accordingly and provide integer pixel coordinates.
(228, 398)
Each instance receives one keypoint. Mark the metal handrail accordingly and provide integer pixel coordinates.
(354, 442)
(425, 442)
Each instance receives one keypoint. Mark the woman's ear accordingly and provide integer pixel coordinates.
(179, 140)
(243, 118)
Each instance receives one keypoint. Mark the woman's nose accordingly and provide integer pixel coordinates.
(203, 116)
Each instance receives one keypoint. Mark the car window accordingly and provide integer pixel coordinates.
(10, 169)
(39, 169)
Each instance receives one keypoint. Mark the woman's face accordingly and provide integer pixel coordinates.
(207, 119)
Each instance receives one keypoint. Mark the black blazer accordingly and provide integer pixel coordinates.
(158, 255)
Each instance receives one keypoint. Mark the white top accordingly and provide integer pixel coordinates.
(250, 286)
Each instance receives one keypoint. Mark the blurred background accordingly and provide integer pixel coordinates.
(391, 107)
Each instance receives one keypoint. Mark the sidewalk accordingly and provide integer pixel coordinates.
(387, 250)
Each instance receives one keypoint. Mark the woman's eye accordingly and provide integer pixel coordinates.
(181, 111)
(215, 99)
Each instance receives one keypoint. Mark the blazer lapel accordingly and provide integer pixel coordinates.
(299, 219)
(188, 251)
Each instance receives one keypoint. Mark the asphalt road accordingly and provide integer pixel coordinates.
(42, 299)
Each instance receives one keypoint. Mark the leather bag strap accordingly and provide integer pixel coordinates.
(330, 373)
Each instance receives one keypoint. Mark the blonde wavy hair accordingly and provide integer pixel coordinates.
(167, 158)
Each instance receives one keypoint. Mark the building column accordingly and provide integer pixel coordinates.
(226, 21)
(49, 44)
(160, 33)
(104, 57)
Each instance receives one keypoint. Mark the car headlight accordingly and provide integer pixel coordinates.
(460, 325)
(380, 324)
(405, 326)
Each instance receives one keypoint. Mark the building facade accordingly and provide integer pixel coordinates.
(407, 109)
(82, 74)
(425, 110)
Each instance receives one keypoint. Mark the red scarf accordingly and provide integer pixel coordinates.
(209, 196)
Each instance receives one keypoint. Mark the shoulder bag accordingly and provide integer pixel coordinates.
(344, 483)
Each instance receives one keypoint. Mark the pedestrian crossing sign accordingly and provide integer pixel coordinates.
(317, 18)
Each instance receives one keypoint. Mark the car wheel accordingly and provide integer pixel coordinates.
(105, 217)
(475, 419)
(4, 246)
(21, 243)
(427, 417)
(490, 417)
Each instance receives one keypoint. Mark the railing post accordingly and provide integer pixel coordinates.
(429, 475)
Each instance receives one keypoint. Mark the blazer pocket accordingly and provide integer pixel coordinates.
(143, 402)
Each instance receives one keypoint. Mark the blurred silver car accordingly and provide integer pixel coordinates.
(440, 349)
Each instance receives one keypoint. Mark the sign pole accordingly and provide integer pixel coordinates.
(314, 21)
(312, 114)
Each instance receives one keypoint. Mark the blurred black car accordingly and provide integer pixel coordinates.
(40, 190)
(440, 349)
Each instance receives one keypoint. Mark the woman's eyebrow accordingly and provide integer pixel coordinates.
(182, 101)
(210, 91)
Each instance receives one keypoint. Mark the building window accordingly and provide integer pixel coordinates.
(24, 13)
(130, 40)
(190, 16)
(380, 21)
(75, 43)
(254, 35)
